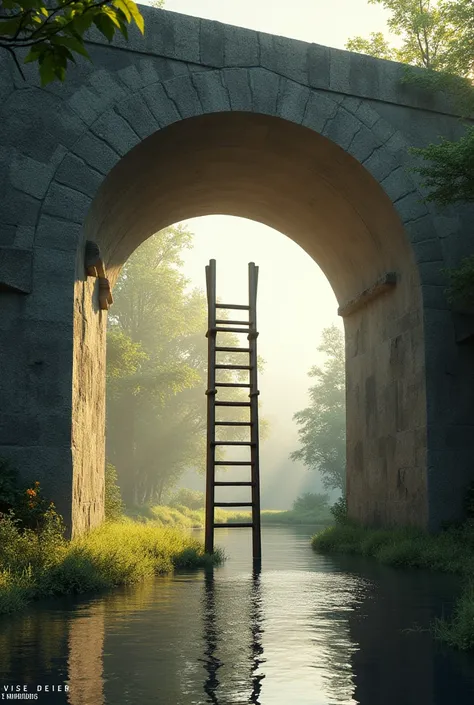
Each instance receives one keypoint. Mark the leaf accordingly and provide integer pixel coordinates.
(135, 13)
(48, 69)
(105, 26)
(72, 43)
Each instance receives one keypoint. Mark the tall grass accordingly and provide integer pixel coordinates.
(119, 553)
(181, 516)
(451, 551)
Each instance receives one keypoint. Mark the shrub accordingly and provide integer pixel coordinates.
(193, 499)
(310, 501)
(114, 507)
(339, 510)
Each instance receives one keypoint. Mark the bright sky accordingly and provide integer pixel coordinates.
(295, 301)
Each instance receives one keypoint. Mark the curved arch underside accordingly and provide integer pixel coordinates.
(262, 168)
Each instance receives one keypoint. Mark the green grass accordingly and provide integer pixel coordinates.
(451, 551)
(120, 553)
(181, 516)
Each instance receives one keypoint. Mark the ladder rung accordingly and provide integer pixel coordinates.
(231, 330)
(233, 484)
(233, 423)
(220, 349)
(233, 403)
(231, 384)
(236, 307)
(233, 504)
(233, 462)
(226, 322)
(232, 443)
(233, 367)
(240, 525)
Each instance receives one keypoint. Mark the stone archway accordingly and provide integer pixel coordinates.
(309, 187)
(321, 166)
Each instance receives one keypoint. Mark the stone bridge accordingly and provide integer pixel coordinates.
(199, 118)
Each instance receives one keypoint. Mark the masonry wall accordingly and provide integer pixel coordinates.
(56, 147)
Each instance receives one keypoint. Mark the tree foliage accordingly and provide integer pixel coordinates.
(322, 425)
(437, 36)
(52, 31)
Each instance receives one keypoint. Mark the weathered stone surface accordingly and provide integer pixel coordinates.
(319, 110)
(184, 96)
(78, 175)
(212, 92)
(58, 234)
(292, 101)
(163, 108)
(238, 85)
(212, 44)
(31, 176)
(241, 47)
(116, 131)
(94, 151)
(264, 86)
(286, 57)
(66, 203)
(15, 269)
(138, 115)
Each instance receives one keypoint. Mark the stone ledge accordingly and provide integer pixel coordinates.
(382, 285)
(16, 266)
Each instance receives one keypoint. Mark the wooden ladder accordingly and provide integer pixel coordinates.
(216, 326)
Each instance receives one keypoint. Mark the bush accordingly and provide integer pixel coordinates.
(192, 499)
(114, 507)
(310, 501)
(339, 510)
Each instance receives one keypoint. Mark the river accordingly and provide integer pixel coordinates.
(306, 630)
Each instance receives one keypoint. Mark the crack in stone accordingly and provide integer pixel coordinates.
(197, 93)
(128, 123)
(171, 98)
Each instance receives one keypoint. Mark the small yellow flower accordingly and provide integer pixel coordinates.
(31, 493)
(37, 483)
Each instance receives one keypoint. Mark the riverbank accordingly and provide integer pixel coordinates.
(182, 516)
(119, 553)
(450, 551)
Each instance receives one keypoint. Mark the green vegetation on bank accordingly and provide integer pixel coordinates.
(186, 509)
(451, 551)
(182, 516)
(37, 561)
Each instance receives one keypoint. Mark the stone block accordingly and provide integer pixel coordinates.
(265, 87)
(7, 235)
(430, 273)
(78, 175)
(396, 185)
(318, 66)
(16, 269)
(183, 94)
(19, 208)
(93, 150)
(212, 93)
(138, 115)
(162, 107)
(340, 71)
(421, 229)
(429, 251)
(24, 236)
(410, 207)
(292, 101)
(342, 128)
(212, 43)
(237, 82)
(286, 57)
(86, 103)
(67, 203)
(107, 87)
(319, 110)
(116, 131)
(30, 176)
(53, 286)
(241, 47)
(380, 162)
(58, 234)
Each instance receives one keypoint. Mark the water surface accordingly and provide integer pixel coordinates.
(305, 630)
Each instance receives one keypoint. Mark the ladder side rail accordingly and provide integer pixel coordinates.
(211, 410)
(254, 428)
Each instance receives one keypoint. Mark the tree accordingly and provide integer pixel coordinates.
(53, 30)
(322, 426)
(437, 36)
(157, 372)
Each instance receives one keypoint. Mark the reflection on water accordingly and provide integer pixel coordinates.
(305, 629)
